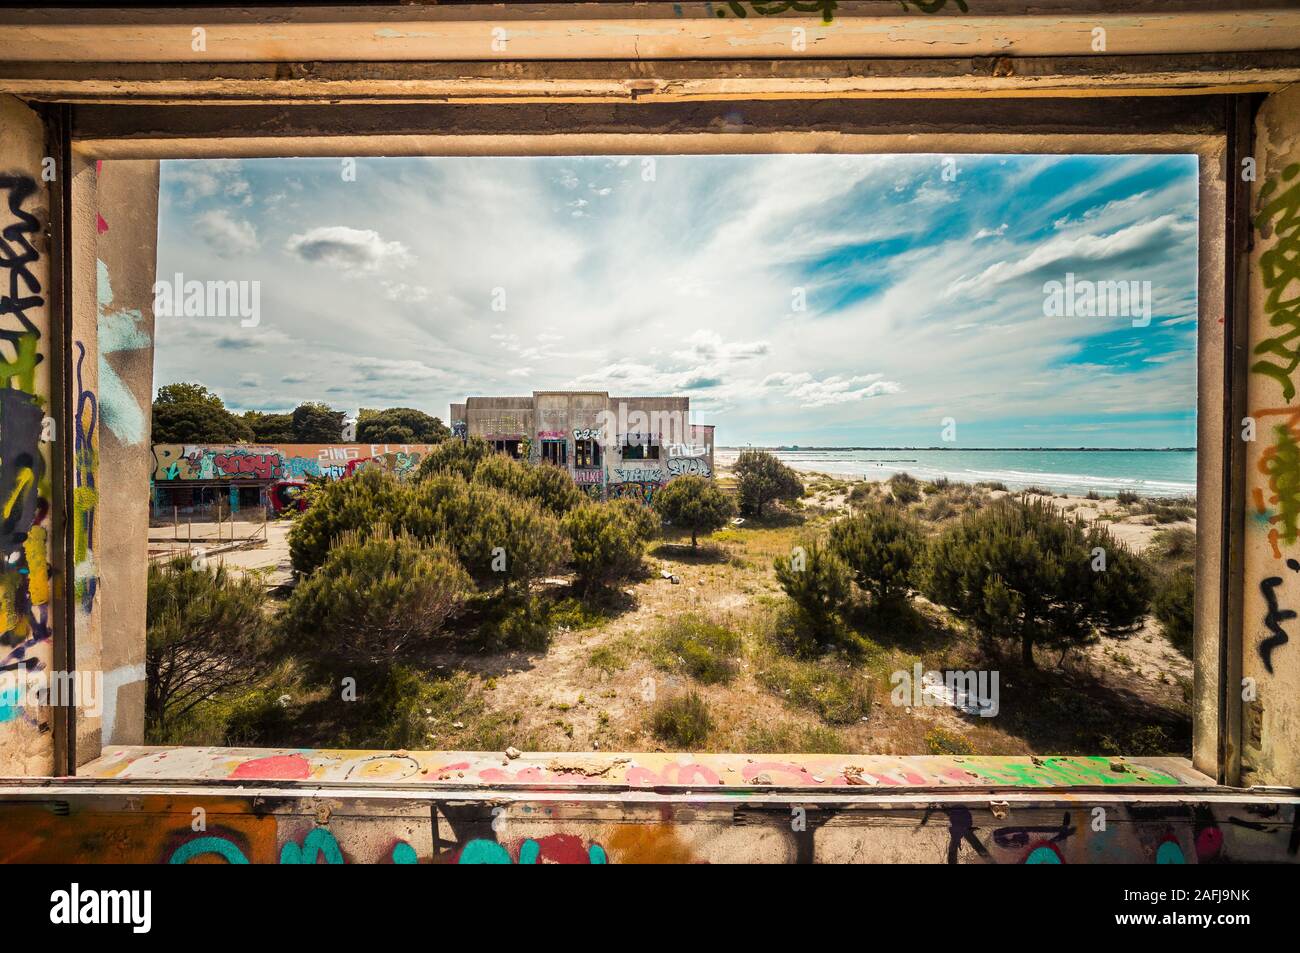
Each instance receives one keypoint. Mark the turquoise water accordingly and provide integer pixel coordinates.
(1147, 472)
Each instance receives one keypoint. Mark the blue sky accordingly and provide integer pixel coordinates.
(922, 292)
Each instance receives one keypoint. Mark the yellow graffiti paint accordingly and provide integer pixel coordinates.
(22, 480)
(38, 570)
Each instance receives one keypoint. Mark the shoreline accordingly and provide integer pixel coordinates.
(1075, 484)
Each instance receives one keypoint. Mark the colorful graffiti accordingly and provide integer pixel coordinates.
(1279, 218)
(85, 495)
(641, 490)
(652, 808)
(399, 463)
(24, 482)
(178, 462)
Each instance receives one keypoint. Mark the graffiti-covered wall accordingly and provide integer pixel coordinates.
(174, 462)
(26, 432)
(1270, 743)
(640, 808)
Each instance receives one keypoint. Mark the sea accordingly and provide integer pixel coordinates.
(1157, 473)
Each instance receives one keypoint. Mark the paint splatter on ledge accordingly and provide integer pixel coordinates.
(636, 770)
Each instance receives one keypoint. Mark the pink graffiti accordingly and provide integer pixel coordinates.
(262, 465)
(276, 767)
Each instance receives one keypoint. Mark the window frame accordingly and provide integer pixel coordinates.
(1217, 134)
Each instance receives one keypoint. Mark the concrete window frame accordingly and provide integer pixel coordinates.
(1216, 129)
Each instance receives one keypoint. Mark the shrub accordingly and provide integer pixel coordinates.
(817, 582)
(992, 485)
(549, 487)
(207, 633)
(552, 489)
(682, 721)
(644, 520)
(861, 494)
(1175, 544)
(694, 503)
(374, 593)
(603, 544)
(705, 651)
(879, 546)
(500, 539)
(1174, 606)
(455, 456)
(1019, 570)
(942, 741)
(350, 505)
(520, 621)
(1127, 497)
(761, 479)
(1092, 495)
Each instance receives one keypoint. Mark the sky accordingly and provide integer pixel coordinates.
(817, 300)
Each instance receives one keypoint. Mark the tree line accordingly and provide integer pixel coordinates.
(188, 412)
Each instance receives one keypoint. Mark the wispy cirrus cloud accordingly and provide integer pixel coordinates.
(813, 299)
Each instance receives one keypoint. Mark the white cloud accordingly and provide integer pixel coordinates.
(226, 235)
(350, 249)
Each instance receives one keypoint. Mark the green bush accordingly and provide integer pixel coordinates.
(699, 648)
(694, 503)
(1127, 497)
(548, 486)
(1019, 570)
(352, 505)
(644, 520)
(817, 581)
(604, 546)
(552, 489)
(374, 593)
(1175, 544)
(861, 494)
(206, 633)
(880, 546)
(500, 539)
(682, 721)
(1174, 606)
(762, 479)
(518, 622)
(455, 456)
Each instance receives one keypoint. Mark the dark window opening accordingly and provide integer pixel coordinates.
(556, 452)
(638, 446)
(586, 454)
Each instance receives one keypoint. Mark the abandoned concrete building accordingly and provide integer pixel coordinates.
(612, 446)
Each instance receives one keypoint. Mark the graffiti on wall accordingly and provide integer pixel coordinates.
(85, 496)
(689, 466)
(642, 491)
(1276, 503)
(1278, 218)
(182, 462)
(399, 463)
(24, 473)
(683, 810)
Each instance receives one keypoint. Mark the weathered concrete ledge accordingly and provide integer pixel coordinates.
(288, 806)
(316, 766)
